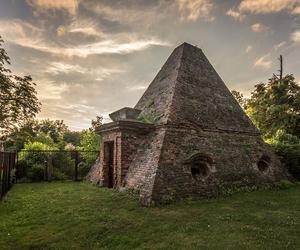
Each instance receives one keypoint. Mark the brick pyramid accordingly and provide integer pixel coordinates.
(203, 141)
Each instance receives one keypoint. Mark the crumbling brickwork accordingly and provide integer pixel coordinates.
(195, 139)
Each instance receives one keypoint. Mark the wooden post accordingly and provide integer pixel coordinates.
(9, 163)
(281, 67)
(1, 173)
(49, 167)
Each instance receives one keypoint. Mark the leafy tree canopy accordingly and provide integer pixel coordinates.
(32, 130)
(89, 141)
(18, 100)
(276, 106)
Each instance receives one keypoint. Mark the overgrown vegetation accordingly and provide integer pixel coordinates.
(274, 108)
(81, 216)
(35, 138)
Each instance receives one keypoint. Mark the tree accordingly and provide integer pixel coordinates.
(89, 141)
(55, 128)
(18, 100)
(96, 123)
(240, 98)
(72, 137)
(276, 106)
(29, 130)
(16, 137)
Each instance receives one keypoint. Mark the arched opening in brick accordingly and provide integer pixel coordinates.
(199, 165)
(263, 164)
(200, 169)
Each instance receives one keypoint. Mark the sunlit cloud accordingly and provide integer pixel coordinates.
(60, 67)
(295, 37)
(136, 87)
(128, 13)
(267, 6)
(49, 90)
(235, 14)
(249, 49)
(258, 28)
(70, 6)
(83, 26)
(191, 10)
(296, 11)
(264, 7)
(263, 62)
(26, 35)
(279, 45)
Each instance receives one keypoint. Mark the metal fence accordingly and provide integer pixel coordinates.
(47, 165)
(7, 169)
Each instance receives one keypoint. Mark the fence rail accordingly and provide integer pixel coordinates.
(7, 169)
(47, 165)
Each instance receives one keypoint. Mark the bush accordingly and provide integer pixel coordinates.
(36, 172)
(21, 169)
(290, 157)
(287, 147)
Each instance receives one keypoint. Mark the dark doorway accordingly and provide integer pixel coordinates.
(109, 160)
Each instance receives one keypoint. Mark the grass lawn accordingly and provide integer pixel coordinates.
(81, 216)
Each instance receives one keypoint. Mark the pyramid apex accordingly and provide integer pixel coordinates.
(185, 44)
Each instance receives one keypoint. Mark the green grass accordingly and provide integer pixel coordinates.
(81, 216)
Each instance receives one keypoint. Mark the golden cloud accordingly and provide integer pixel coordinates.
(263, 62)
(193, 9)
(69, 5)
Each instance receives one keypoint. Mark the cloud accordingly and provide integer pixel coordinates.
(27, 35)
(258, 28)
(235, 14)
(135, 13)
(61, 30)
(295, 37)
(136, 87)
(279, 45)
(191, 10)
(83, 26)
(296, 11)
(49, 90)
(61, 67)
(248, 49)
(263, 62)
(264, 7)
(70, 6)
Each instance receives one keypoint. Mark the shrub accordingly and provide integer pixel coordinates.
(287, 147)
(36, 172)
(290, 157)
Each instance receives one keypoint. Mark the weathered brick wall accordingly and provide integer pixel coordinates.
(131, 141)
(142, 171)
(234, 156)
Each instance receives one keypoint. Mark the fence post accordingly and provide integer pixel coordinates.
(9, 171)
(76, 155)
(49, 167)
(1, 173)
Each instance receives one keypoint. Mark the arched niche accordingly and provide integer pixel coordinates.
(199, 165)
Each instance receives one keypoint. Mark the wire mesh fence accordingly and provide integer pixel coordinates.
(47, 165)
(7, 170)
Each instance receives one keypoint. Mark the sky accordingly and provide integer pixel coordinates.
(92, 57)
